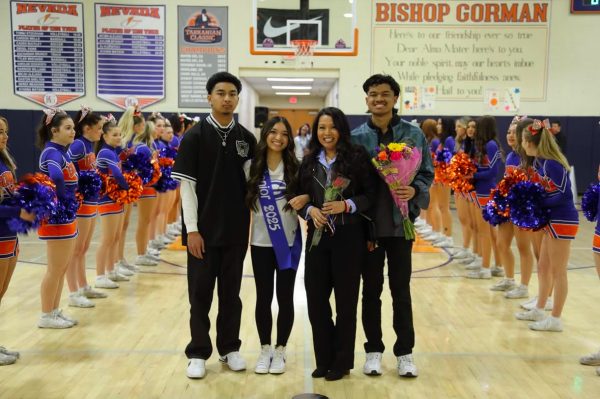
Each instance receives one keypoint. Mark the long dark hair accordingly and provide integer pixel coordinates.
(448, 129)
(106, 128)
(44, 131)
(348, 155)
(90, 119)
(486, 131)
(259, 164)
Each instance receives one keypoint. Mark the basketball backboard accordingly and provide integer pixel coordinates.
(278, 24)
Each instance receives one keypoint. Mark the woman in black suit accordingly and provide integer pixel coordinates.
(334, 263)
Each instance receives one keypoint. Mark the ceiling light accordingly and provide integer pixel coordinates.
(348, 15)
(292, 93)
(290, 79)
(291, 87)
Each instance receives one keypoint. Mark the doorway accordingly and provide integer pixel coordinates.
(296, 117)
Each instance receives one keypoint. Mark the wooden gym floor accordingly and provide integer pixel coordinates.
(469, 345)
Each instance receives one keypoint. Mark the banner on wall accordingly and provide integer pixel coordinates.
(48, 51)
(464, 48)
(202, 44)
(130, 54)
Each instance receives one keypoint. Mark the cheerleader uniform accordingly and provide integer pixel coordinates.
(83, 158)
(9, 243)
(596, 243)
(108, 163)
(56, 163)
(564, 220)
(512, 162)
(170, 145)
(149, 191)
(175, 142)
(449, 144)
(484, 179)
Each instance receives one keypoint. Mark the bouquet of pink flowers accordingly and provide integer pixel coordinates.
(332, 192)
(397, 164)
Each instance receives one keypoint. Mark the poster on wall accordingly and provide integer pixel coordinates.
(130, 54)
(48, 51)
(202, 44)
(463, 48)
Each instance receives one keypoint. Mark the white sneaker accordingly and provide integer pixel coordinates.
(534, 314)
(447, 242)
(5, 359)
(91, 293)
(591, 360)
(550, 323)
(480, 274)
(419, 222)
(105, 282)
(434, 235)
(155, 256)
(63, 316)
(505, 284)
(196, 368)
(131, 268)
(164, 239)
(475, 265)
(497, 271)
(598, 371)
(5, 351)
(278, 361)
(406, 366)
(172, 231)
(521, 291)
(143, 260)
(469, 260)
(532, 303)
(78, 300)
(234, 360)
(462, 253)
(115, 276)
(264, 360)
(373, 363)
(156, 244)
(169, 236)
(52, 320)
(122, 270)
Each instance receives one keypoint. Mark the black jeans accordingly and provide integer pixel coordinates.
(264, 265)
(398, 252)
(334, 265)
(224, 265)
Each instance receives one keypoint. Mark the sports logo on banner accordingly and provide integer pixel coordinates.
(48, 51)
(130, 54)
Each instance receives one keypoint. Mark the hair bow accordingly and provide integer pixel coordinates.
(538, 125)
(136, 111)
(84, 111)
(518, 118)
(50, 112)
(110, 118)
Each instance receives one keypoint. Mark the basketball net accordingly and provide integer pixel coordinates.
(304, 51)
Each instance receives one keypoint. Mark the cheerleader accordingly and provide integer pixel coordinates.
(462, 199)
(139, 141)
(276, 242)
(111, 213)
(55, 134)
(174, 223)
(594, 358)
(88, 128)
(506, 232)
(471, 197)
(552, 169)
(440, 190)
(432, 229)
(9, 244)
(169, 141)
(488, 158)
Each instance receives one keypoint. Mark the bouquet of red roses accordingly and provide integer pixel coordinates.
(397, 164)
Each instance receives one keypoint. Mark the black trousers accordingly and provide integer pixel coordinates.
(223, 265)
(398, 252)
(334, 265)
(264, 265)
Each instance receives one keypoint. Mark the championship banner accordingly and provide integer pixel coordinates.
(48, 51)
(465, 49)
(130, 54)
(202, 43)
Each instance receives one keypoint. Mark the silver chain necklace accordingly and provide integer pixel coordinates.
(222, 133)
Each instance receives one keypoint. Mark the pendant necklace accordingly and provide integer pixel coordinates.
(223, 133)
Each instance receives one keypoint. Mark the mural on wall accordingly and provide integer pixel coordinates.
(466, 50)
(202, 49)
(130, 54)
(48, 51)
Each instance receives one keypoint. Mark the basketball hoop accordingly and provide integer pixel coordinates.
(304, 51)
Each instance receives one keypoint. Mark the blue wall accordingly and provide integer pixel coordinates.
(583, 140)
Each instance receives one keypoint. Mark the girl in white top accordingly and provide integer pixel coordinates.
(276, 242)
(301, 141)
